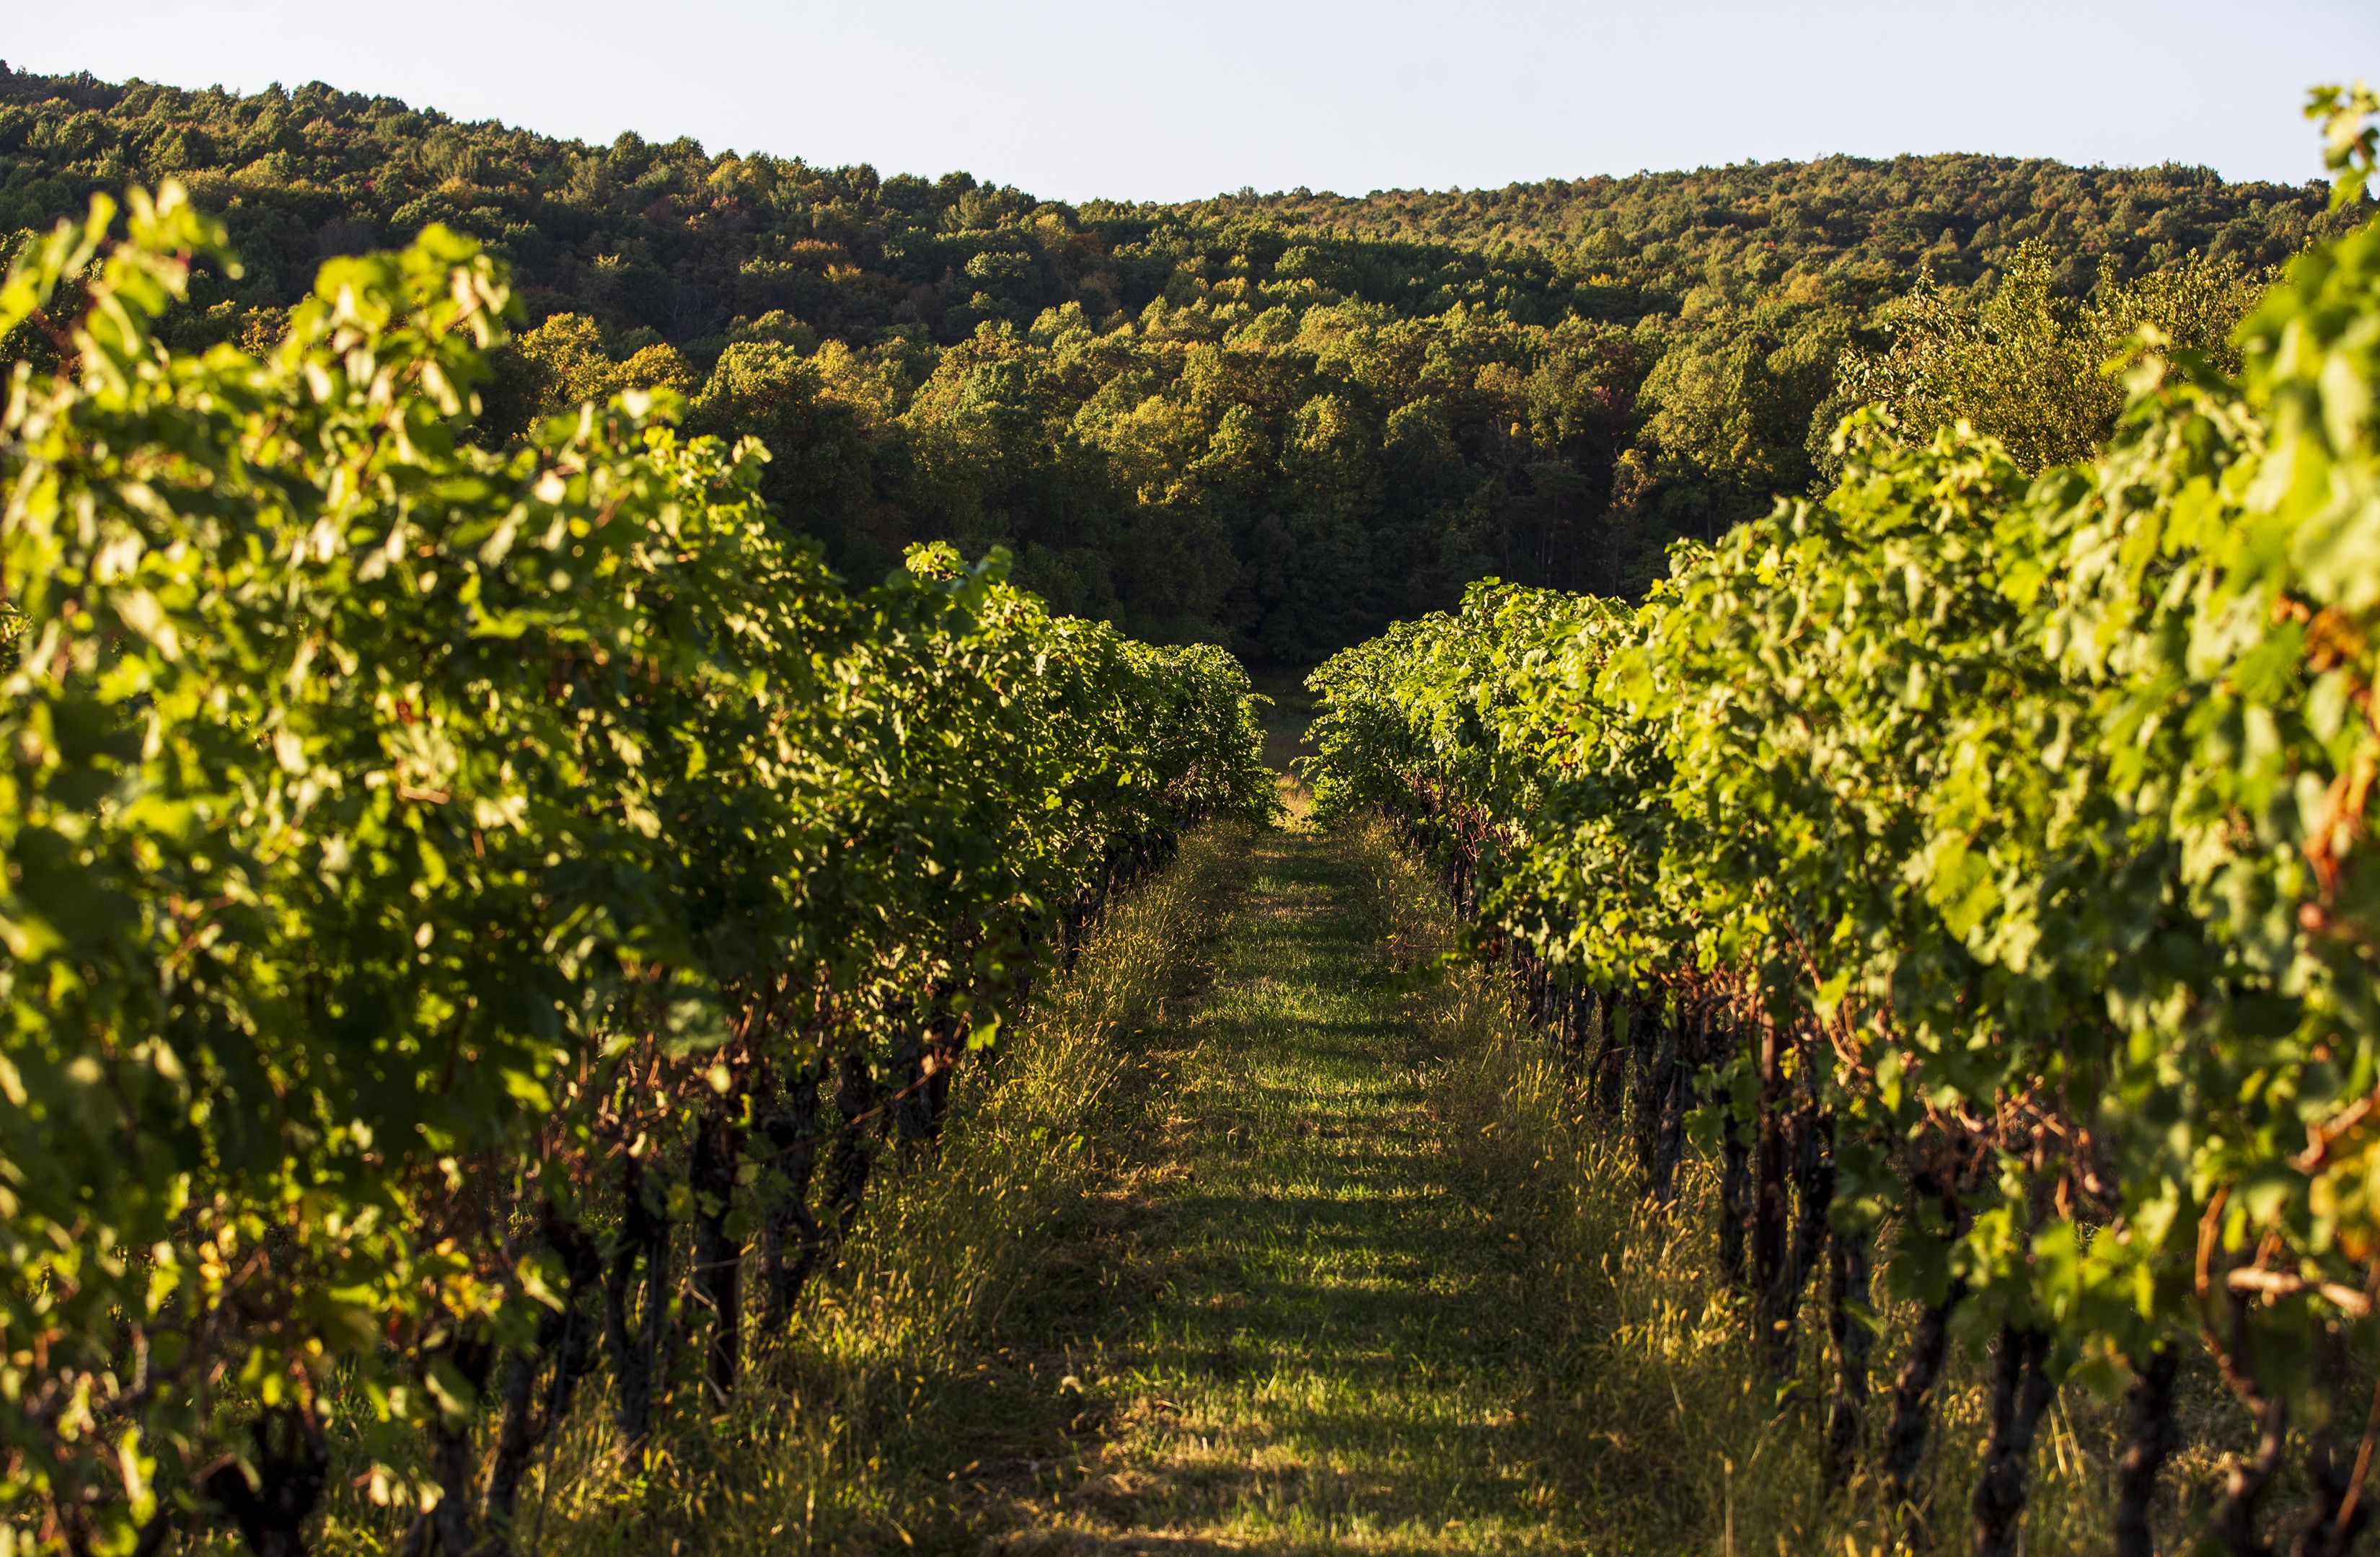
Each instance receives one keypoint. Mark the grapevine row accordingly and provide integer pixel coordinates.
(470, 915)
(1988, 860)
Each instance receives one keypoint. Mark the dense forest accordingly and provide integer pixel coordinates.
(1279, 422)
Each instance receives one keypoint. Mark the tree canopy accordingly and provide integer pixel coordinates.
(1275, 421)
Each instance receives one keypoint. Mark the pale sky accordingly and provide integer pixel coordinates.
(1070, 100)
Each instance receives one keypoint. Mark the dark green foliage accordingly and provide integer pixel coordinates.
(1849, 221)
(1277, 421)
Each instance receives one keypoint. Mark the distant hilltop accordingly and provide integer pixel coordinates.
(1272, 421)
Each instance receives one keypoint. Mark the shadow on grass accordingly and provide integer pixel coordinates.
(1331, 1353)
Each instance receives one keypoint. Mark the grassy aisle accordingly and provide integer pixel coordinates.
(1325, 1344)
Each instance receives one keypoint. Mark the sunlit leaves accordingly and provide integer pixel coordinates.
(396, 832)
(2039, 810)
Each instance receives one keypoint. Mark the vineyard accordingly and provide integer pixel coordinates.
(1980, 868)
(472, 917)
(543, 1017)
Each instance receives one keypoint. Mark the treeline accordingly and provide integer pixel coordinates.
(1840, 221)
(1278, 423)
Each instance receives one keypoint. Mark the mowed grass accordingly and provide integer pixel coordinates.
(1333, 1348)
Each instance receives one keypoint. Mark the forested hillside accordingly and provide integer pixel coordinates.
(1847, 221)
(1276, 420)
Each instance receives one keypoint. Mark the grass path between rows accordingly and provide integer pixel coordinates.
(1309, 1329)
